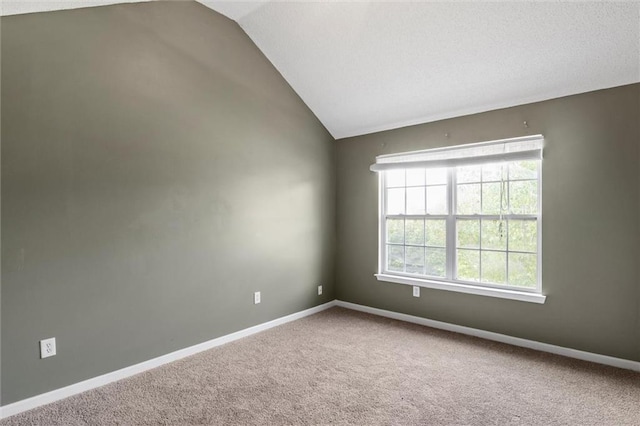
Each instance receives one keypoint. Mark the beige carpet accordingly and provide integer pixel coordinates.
(344, 367)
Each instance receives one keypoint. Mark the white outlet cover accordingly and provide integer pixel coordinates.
(47, 347)
(319, 290)
(416, 291)
(256, 297)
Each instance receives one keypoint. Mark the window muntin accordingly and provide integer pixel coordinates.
(476, 224)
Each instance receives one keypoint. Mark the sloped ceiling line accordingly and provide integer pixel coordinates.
(369, 66)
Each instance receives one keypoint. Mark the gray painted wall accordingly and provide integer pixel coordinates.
(0, 222)
(591, 223)
(156, 171)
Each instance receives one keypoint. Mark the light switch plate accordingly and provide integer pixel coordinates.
(416, 291)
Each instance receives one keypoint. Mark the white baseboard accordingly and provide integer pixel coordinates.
(503, 338)
(76, 388)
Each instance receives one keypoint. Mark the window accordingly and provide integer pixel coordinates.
(465, 218)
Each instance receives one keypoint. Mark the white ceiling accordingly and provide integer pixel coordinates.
(369, 66)
(366, 66)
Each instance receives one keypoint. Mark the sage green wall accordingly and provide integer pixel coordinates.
(156, 171)
(590, 233)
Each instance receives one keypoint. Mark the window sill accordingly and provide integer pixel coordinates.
(462, 288)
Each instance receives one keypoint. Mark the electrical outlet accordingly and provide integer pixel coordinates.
(416, 291)
(47, 347)
(256, 297)
(319, 290)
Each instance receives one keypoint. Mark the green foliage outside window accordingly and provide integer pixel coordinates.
(501, 249)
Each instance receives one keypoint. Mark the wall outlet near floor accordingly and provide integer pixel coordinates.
(47, 347)
(256, 297)
(416, 291)
(319, 290)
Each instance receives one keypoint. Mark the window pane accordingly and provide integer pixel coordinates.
(436, 262)
(468, 265)
(523, 235)
(395, 231)
(468, 233)
(523, 170)
(395, 201)
(395, 258)
(468, 174)
(414, 232)
(394, 178)
(522, 270)
(415, 200)
(494, 267)
(436, 176)
(491, 251)
(494, 234)
(415, 260)
(415, 177)
(436, 233)
(468, 199)
(523, 197)
(494, 198)
(494, 172)
(437, 199)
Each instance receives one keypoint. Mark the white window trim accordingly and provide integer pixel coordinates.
(451, 284)
(464, 288)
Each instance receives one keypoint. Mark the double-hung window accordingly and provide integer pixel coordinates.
(464, 218)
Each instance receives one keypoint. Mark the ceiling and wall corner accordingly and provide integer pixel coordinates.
(234, 10)
(367, 66)
(364, 67)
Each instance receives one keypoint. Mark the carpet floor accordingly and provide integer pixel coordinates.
(346, 367)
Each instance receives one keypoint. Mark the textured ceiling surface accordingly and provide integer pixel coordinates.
(370, 66)
(366, 66)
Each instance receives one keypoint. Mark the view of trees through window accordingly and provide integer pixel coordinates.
(493, 218)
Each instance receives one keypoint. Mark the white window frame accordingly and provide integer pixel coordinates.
(451, 283)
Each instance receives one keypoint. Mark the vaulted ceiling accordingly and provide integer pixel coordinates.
(367, 66)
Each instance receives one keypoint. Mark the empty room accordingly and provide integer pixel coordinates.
(319, 212)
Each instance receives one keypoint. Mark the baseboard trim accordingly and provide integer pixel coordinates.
(76, 388)
(85, 385)
(503, 338)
